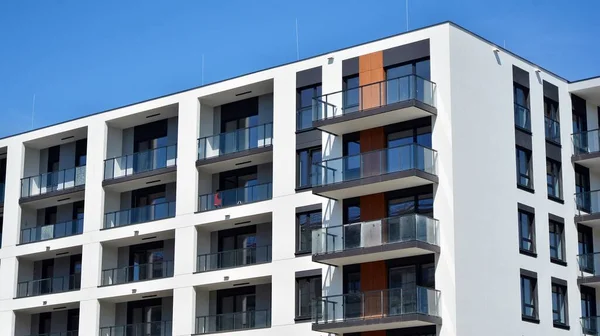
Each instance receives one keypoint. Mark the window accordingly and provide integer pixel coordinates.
(529, 310)
(588, 310)
(551, 120)
(306, 222)
(582, 188)
(553, 179)
(307, 289)
(401, 86)
(557, 246)
(559, 305)
(307, 173)
(526, 232)
(351, 94)
(524, 168)
(585, 248)
(522, 115)
(304, 102)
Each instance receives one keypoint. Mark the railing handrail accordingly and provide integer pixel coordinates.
(381, 219)
(235, 250)
(239, 188)
(588, 131)
(51, 278)
(136, 324)
(234, 131)
(138, 265)
(371, 84)
(588, 254)
(409, 287)
(319, 163)
(55, 224)
(141, 207)
(587, 192)
(140, 152)
(254, 311)
(52, 172)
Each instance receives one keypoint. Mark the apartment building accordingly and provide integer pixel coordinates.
(391, 188)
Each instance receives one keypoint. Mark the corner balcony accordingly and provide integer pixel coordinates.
(137, 272)
(383, 239)
(52, 231)
(377, 310)
(586, 149)
(159, 328)
(589, 325)
(49, 286)
(48, 188)
(227, 151)
(589, 268)
(234, 258)
(374, 172)
(383, 103)
(250, 319)
(234, 197)
(587, 208)
(139, 215)
(138, 168)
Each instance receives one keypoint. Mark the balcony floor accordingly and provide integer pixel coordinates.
(54, 198)
(377, 323)
(588, 160)
(591, 220)
(141, 180)
(245, 158)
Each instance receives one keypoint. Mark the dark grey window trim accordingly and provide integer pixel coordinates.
(525, 208)
(563, 285)
(309, 273)
(559, 281)
(529, 156)
(313, 226)
(532, 278)
(528, 273)
(558, 183)
(309, 208)
(562, 252)
(531, 216)
(309, 77)
(306, 318)
(556, 218)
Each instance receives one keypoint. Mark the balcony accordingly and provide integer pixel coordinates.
(138, 272)
(375, 172)
(552, 130)
(374, 105)
(522, 118)
(589, 325)
(589, 268)
(383, 239)
(51, 184)
(140, 165)
(139, 215)
(225, 151)
(234, 258)
(49, 286)
(586, 149)
(251, 319)
(377, 310)
(234, 197)
(587, 208)
(304, 118)
(160, 328)
(52, 231)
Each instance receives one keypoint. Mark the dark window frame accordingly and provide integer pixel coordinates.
(309, 155)
(311, 226)
(533, 306)
(559, 292)
(555, 174)
(529, 175)
(532, 241)
(298, 303)
(559, 231)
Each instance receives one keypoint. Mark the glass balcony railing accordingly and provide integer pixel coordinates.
(522, 117)
(589, 263)
(413, 227)
(234, 258)
(140, 162)
(589, 325)
(59, 333)
(587, 202)
(139, 215)
(52, 231)
(374, 95)
(233, 197)
(53, 181)
(251, 319)
(2, 186)
(159, 328)
(49, 285)
(552, 128)
(377, 304)
(375, 163)
(586, 142)
(235, 141)
(304, 117)
(139, 272)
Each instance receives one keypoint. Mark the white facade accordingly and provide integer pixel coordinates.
(477, 268)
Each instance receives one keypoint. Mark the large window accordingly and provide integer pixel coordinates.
(351, 94)
(306, 222)
(551, 120)
(304, 101)
(522, 115)
(588, 310)
(400, 86)
(582, 188)
(526, 232)
(554, 179)
(307, 173)
(307, 289)
(557, 242)
(524, 168)
(559, 305)
(529, 308)
(585, 246)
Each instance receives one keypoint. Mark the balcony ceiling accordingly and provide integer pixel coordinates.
(144, 117)
(57, 138)
(587, 89)
(230, 96)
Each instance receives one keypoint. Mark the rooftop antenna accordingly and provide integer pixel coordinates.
(32, 110)
(406, 15)
(504, 44)
(297, 43)
(202, 69)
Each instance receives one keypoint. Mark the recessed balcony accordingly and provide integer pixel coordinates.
(234, 258)
(49, 285)
(587, 208)
(53, 186)
(374, 172)
(383, 239)
(383, 103)
(226, 151)
(139, 215)
(51, 231)
(377, 310)
(137, 272)
(230, 322)
(158, 328)
(589, 268)
(234, 197)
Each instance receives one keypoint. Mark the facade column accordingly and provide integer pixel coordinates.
(9, 273)
(184, 311)
(15, 159)
(89, 318)
(94, 175)
(185, 250)
(92, 261)
(284, 134)
(187, 154)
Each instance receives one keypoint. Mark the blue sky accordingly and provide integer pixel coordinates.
(81, 57)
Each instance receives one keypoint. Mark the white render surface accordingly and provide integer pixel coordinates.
(477, 271)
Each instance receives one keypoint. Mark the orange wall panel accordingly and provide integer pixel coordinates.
(370, 70)
(373, 277)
